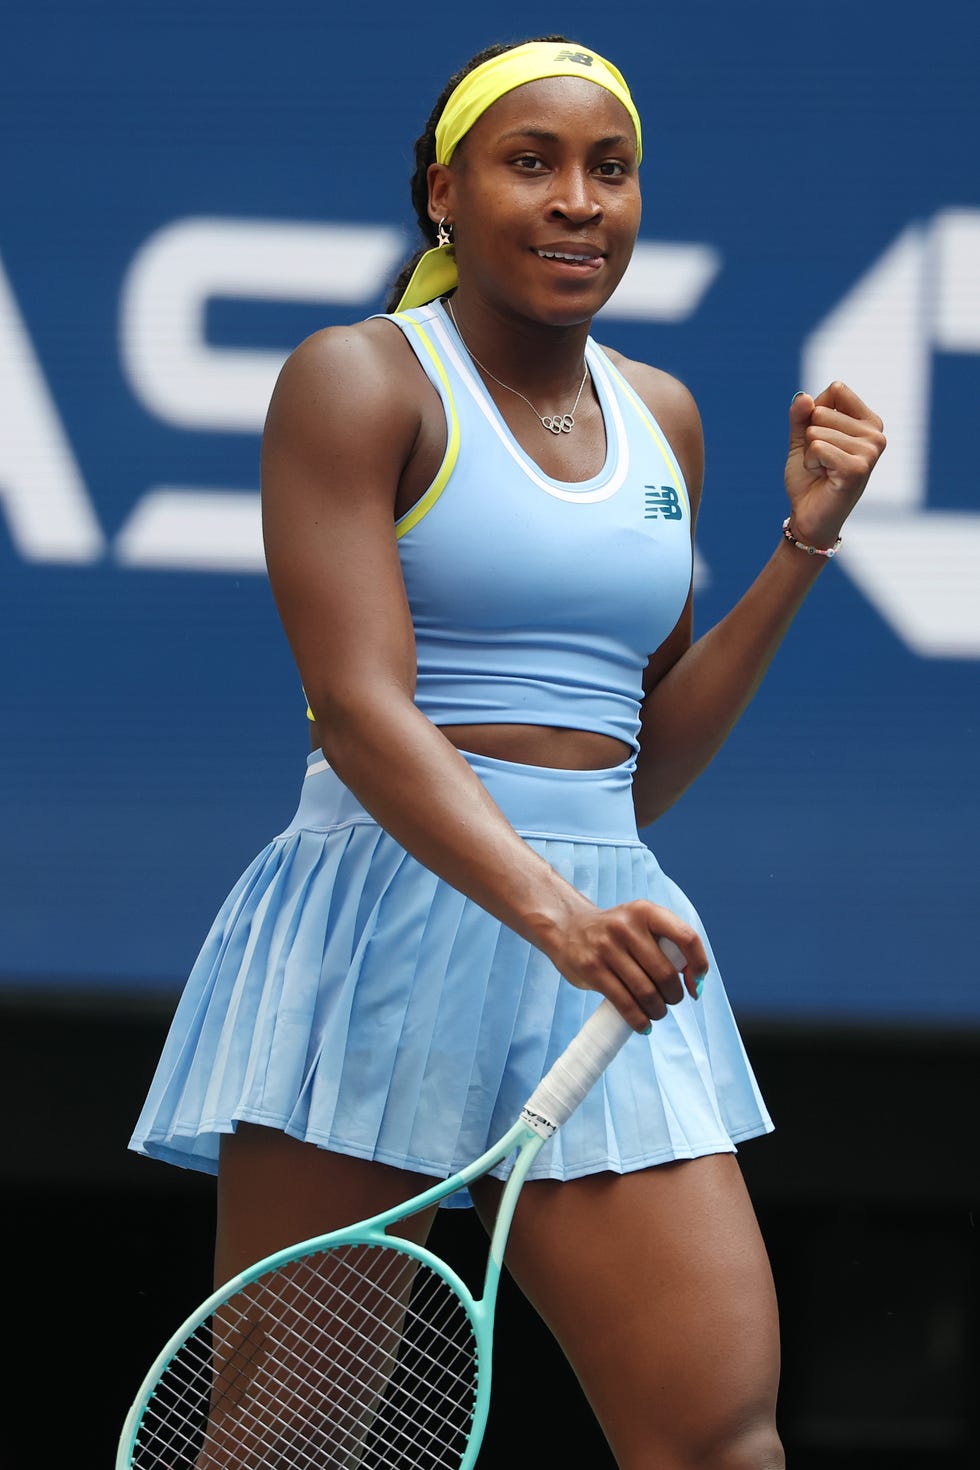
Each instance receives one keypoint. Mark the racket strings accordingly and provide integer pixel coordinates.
(356, 1358)
(240, 1348)
(366, 1347)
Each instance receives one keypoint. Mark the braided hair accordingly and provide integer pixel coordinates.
(425, 154)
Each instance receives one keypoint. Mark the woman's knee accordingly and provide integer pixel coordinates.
(719, 1436)
(759, 1448)
(754, 1446)
(751, 1445)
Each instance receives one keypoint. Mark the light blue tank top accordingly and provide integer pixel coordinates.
(535, 601)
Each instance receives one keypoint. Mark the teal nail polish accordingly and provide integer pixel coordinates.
(699, 987)
(798, 394)
(648, 1028)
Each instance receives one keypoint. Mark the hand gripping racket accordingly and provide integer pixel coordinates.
(356, 1350)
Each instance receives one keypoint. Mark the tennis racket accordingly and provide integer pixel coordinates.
(355, 1350)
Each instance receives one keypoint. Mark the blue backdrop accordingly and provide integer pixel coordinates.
(191, 189)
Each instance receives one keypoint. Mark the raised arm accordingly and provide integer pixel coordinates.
(696, 692)
(343, 425)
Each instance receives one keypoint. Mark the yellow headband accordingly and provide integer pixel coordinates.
(535, 62)
(435, 273)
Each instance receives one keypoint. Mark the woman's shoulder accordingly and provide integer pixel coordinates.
(673, 406)
(361, 352)
(347, 375)
(665, 395)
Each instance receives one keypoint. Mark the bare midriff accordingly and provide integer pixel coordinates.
(540, 745)
(532, 745)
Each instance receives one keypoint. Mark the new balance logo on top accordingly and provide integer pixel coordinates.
(662, 500)
(581, 57)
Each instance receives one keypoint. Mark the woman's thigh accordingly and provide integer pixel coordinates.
(657, 1286)
(274, 1191)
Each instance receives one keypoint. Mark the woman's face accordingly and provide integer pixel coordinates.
(544, 195)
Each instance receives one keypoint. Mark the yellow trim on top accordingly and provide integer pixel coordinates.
(422, 506)
(647, 418)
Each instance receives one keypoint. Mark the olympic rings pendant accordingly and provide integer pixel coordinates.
(559, 423)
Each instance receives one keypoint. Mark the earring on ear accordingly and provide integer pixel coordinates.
(444, 234)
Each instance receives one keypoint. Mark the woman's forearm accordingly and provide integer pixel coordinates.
(423, 792)
(689, 714)
(835, 442)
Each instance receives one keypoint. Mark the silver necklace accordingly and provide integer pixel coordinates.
(557, 423)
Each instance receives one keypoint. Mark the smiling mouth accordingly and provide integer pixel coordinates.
(565, 257)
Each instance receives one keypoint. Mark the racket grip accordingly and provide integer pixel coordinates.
(580, 1065)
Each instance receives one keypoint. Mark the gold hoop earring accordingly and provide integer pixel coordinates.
(444, 233)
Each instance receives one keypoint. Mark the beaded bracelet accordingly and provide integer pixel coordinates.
(827, 551)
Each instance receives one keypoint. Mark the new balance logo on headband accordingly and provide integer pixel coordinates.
(663, 501)
(581, 57)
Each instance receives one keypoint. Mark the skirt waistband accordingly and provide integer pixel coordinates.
(538, 801)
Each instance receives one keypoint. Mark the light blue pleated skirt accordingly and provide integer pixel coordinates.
(349, 997)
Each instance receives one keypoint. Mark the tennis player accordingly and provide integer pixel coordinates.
(479, 528)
